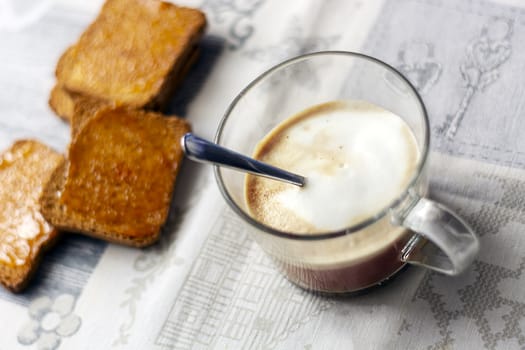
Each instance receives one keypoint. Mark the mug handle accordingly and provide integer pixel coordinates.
(458, 244)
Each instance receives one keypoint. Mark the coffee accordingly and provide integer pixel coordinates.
(363, 213)
(357, 158)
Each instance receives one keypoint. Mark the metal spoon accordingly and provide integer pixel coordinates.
(204, 151)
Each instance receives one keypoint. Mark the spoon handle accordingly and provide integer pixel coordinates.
(204, 151)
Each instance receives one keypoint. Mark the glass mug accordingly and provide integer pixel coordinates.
(373, 250)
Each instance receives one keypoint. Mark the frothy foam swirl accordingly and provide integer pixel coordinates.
(356, 156)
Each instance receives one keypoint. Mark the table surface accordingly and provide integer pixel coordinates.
(206, 285)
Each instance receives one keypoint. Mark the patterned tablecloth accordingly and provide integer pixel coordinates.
(206, 285)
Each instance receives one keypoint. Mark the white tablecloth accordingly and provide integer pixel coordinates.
(206, 285)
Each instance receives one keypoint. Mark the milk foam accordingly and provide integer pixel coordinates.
(357, 158)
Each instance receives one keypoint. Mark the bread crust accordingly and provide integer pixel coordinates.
(132, 53)
(118, 181)
(24, 235)
(61, 102)
(67, 104)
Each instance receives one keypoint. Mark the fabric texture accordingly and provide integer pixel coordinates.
(207, 285)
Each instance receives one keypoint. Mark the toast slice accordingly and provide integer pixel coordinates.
(24, 233)
(65, 103)
(62, 102)
(118, 181)
(132, 53)
(84, 108)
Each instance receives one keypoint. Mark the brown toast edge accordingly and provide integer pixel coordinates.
(66, 103)
(62, 103)
(55, 213)
(159, 98)
(18, 281)
(66, 55)
(172, 81)
(73, 107)
(16, 278)
(85, 108)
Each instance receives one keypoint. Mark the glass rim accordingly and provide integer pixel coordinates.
(352, 228)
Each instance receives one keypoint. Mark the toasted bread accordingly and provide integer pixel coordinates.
(62, 102)
(24, 233)
(66, 104)
(72, 106)
(132, 53)
(118, 181)
(84, 108)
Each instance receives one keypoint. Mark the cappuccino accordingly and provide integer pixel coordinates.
(357, 158)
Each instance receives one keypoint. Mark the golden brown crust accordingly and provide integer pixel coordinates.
(174, 79)
(128, 54)
(24, 234)
(53, 209)
(119, 179)
(74, 108)
(85, 107)
(61, 102)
